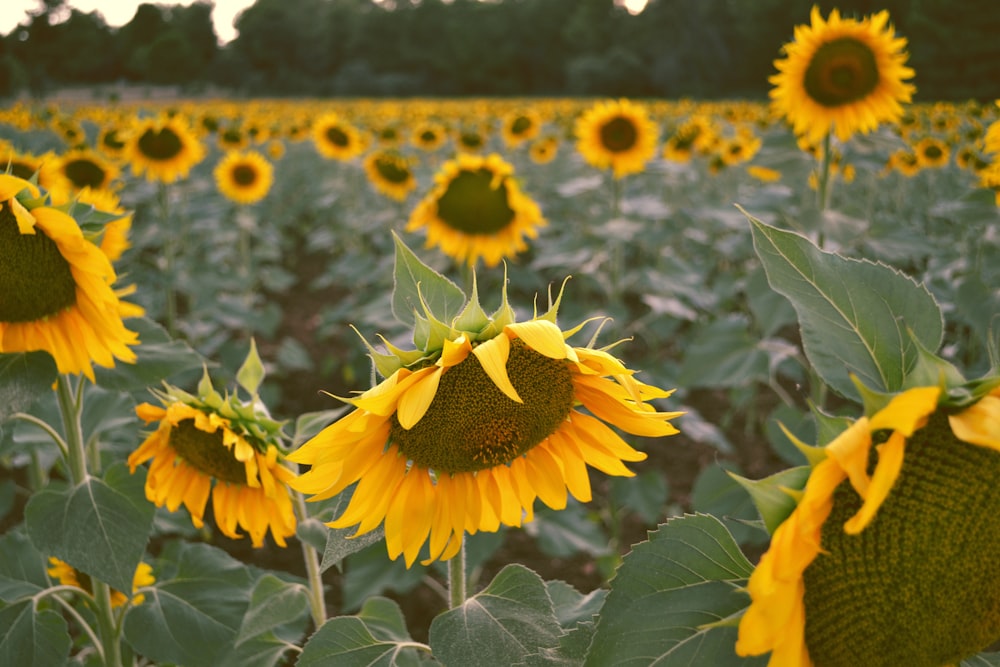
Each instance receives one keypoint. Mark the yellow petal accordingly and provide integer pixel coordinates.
(890, 462)
(493, 356)
(850, 451)
(908, 411)
(414, 403)
(455, 351)
(542, 336)
(979, 424)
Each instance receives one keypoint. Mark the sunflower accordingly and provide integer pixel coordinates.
(465, 432)
(764, 174)
(520, 126)
(207, 438)
(26, 165)
(471, 138)
(476, 209)
(67, 575)
(842, 75)
(390, 173)
(543, 150)
(244, 177)
(114, 234)
(163, 148)
(429, 136)
(931, 153)
(232, 138)
(111, 141)
(616, 134)
(889, 557)
(336, 139)
(84, 168)
(56, 289)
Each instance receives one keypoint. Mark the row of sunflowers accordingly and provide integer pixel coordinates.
(148, 248)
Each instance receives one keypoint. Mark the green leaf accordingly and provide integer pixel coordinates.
(724, 354)
(370, 572)
(251, 372)
(645, 494)
(666, 594)
(384, 619)
(24, 377)
(273, 603)
(571, 606)
(29, 637)
(158, 358)
(511, 619)
(853, 314)
(347, 641)
(715, 492)
(443, 297)
(773, 503)
(567, 532)
(100, 527)
(22, 567)
(193, 614)
(571, 651)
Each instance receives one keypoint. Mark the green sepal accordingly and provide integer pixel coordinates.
(251, 373)
(385, 364)
(206, 392)
(814, 455)
(772, 496)
(931, 370)
(553, 310)
(503, 315)
(959, 398)
(473, 318)
(871, 399)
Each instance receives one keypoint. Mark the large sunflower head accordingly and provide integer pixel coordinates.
(842, 75)
(390, 173)
(163, 148)
(209, 444)
(337, 139)
(84, 168)
(889, 556)
(485, 415)
(113, 236)
(67, 575)
(56, 285)
(476, 209)
(244, 177)
(616, 134)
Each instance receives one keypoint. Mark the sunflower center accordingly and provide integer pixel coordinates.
(618, 134)
(206, 452)
(337, 137)
(919, 586)
(933, 152)
(244, 175)
(84, 173)
(22, 169)
(841, 72)
(472, 425)
(428, 136)
(35, 279)
(520, 125)
(472, 205)
(391, 170)
(162, 144)
(112, 141)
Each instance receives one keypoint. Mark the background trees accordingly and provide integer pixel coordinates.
(674, 48)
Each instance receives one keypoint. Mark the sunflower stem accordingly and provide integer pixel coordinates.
(456, 578)
(317, 603)
(71, 408)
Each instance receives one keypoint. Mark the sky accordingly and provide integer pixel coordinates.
(119, 12)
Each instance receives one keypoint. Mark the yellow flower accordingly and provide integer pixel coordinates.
(84, 168)
(931, 152)
(519, 126)
(764, 174)
(210, 446)
(842, 75)
(244, 177)
(476, 209)
(67, 575)
(463, 435)
(390, 173)
(56, 286)
(544, 150)
(164, 149)
(888, 559)
(336, 139)
(618, 135)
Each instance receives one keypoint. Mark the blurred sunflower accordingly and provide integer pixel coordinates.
(842, 75)
(465, 432)
(764, 174)
(67, 575)
(520, 126)
(617, 134)
(336, 139)
(56, 289)
(476, 209)
(889, 557)
(114, 234)
(390, 173)
(111, 141)
(470, 138)
(84, 168)
(26, 165)
(210, 445)
(232, 138)
(931, 153)
(163, 148)
(429, 136)
(244, 177)
(543, 150)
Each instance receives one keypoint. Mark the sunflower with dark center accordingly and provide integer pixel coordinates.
(616, 134)
(890, 555)
(477, 210)
(390, 173)
(520, 126)
(336, 139)
(842, 76)
(223, 447)
(244, 177)
(111, 142)
(466, 433)
(543, 150)
(164, 149)
(932, 153)
(84, 168)
(56, 289)
(429, 135)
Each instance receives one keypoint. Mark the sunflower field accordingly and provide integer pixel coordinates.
(506, 381)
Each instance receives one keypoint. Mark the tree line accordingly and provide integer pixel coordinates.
(672, 49)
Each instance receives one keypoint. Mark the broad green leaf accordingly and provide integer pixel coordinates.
(718, 494)
(30, 638)
(567, 532)
(193, 614)
(273, 603)
(100, 527)
(571, 606)
(511, 619)
(384, 619)
(347, 641)
(724, 353)
(22, 567)
(645, 494)
(666, 594)
(443, 297)
(854, 314)
(158, 358)
(571, 651)
(24, 377)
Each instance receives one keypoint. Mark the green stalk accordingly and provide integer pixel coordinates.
(456, 578)
(70, 408)
(316, 600)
